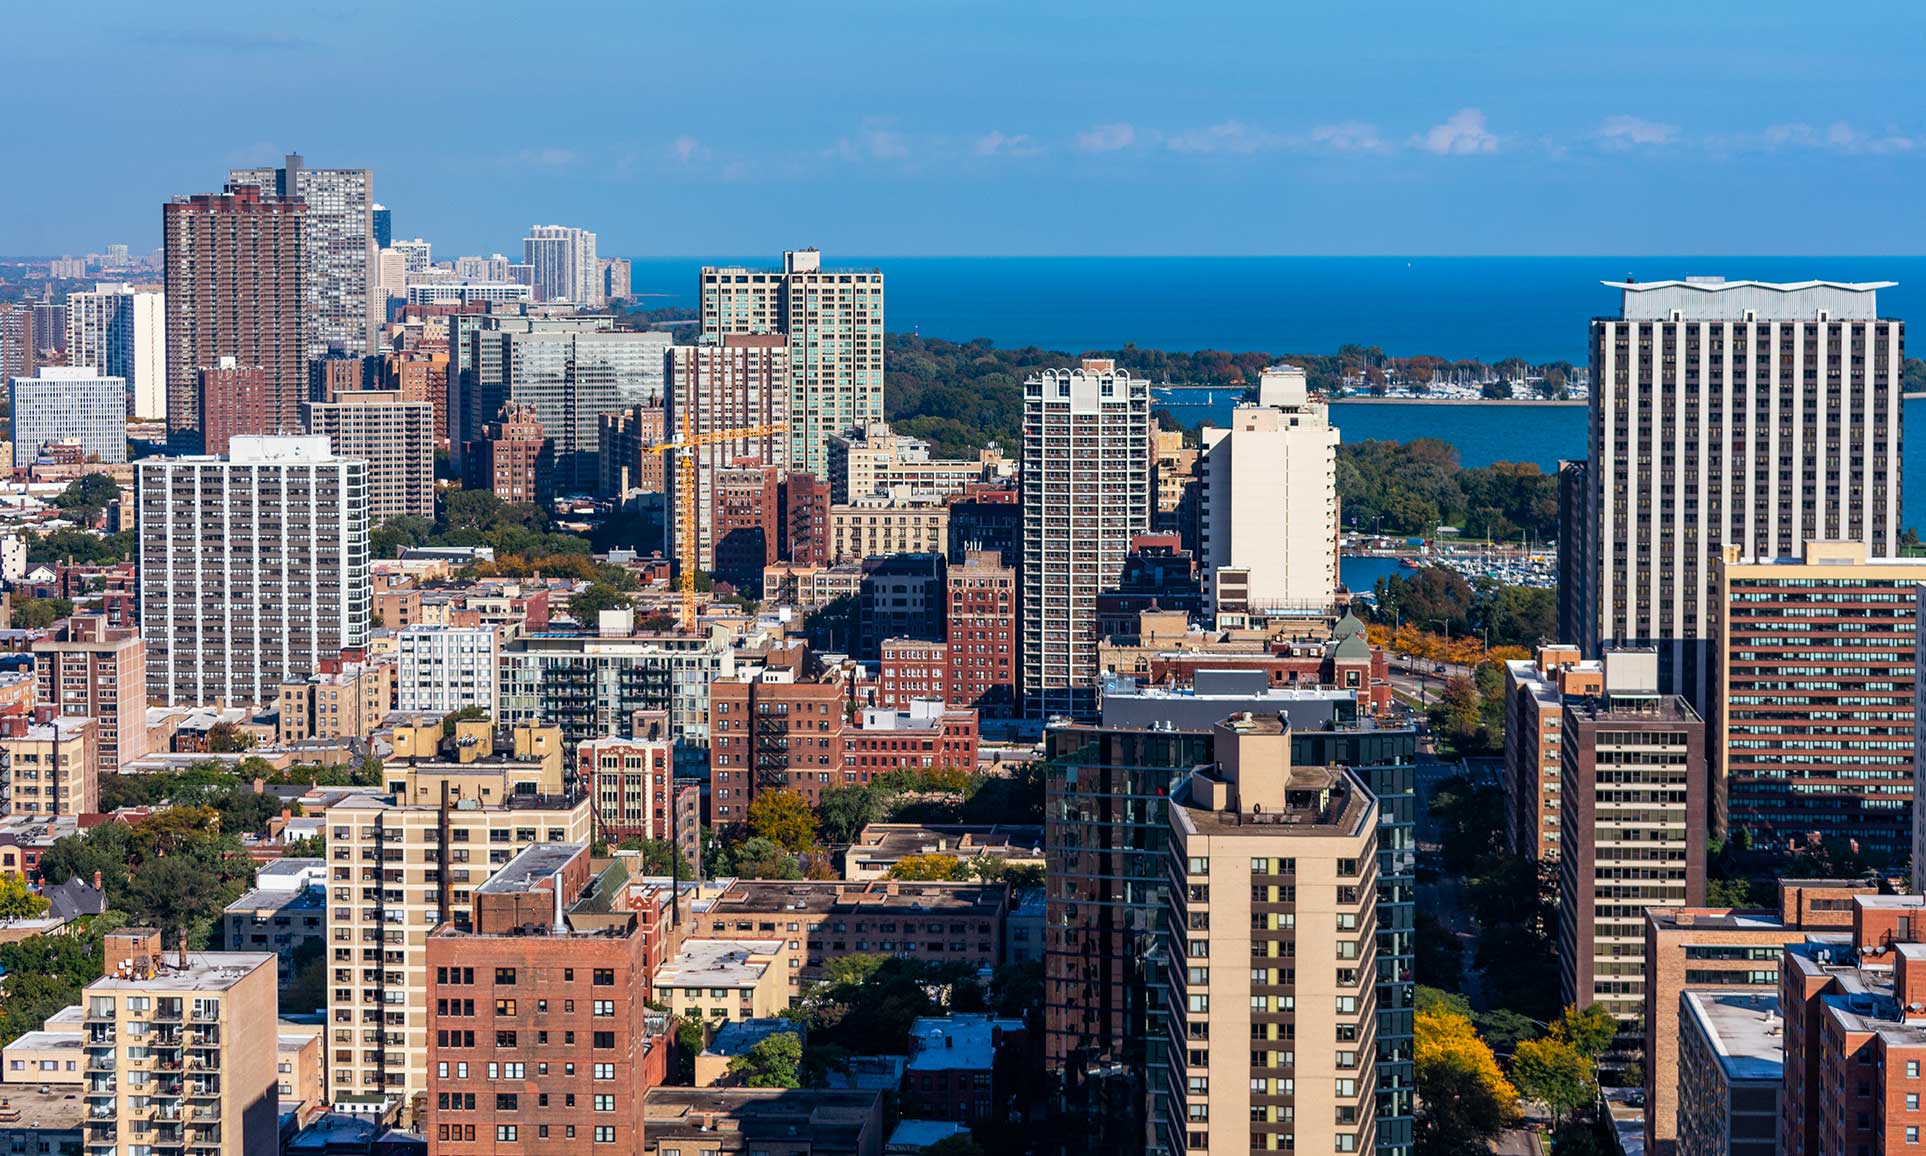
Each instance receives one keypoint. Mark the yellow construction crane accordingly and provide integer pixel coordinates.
(684, 448)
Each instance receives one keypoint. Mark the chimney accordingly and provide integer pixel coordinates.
(97, 881)
(183, 942)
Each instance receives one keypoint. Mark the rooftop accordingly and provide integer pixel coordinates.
(950, 1043)
(205, 971)
(1744, 1029)
(761, 1113)
(1713, 919)
(1716, 299)
(265, 899)
(733, 1039)
(768, 897)
(61, 1108)
(719, 963)
(537, 862)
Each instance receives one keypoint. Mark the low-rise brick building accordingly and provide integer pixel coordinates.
(953, 1068)
(824, 920)
(539, 1040)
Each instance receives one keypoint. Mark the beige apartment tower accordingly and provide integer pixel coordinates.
(395, 437)
(1272, 961)
(1267, 507)
(86, 667)
(181, 1051)
(833, 322)
(403, 863)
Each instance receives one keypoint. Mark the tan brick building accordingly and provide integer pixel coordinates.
(87, 667)
(1535, 691)
(48, 763)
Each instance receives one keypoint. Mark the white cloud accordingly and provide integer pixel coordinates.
(687, 150)
(871, 144)
(547, 158)
(996, 143)
(1462, 134)
(1231, 136)
(1838, 136)
(1350, 136)
(1631, 131)
(1107, 138)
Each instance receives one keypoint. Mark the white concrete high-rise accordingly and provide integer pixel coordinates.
(338, 246)
(254, 567)
(563, 260)
(62, 403)
(1727, 413)
(833, 319)
(121, 331)
(1086, 494)
(1267, 510)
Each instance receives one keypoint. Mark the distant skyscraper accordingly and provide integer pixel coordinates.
(1268, 508)
(234, 289)
(570, 370)
(1729, 413)
(418, 254)
(1086, 494)
(383, 225)
(66, 404)
(396, 437)
(19, 357)
(122, 332)
(833, 319)
(563, 260)
(254, 567)
(340, 250)
(515, 458)
(615, 277)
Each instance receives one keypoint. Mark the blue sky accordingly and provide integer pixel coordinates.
(891, 127)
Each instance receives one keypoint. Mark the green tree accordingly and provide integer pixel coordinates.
(1555, 1073)
(587, 606)
(771, 1062)
(1591, 1030)
(40, 613)
(843, 812)
(224, 738)
(87, 496)
(17, 901)
(930, 868)
(1464, 1098)
(83, 546)
(782, 817)
(761, 858)
(461, 715)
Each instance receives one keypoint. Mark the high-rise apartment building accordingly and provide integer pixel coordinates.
(1267, 506)
(241, 401)
(563, 259)
(571, 370)
(121, 331)
(540, 1040)
(1271, 936)
(615, 277)
(833, 322)
(87, 668)
(1729, 413)
(592, 685)
(1535, 692)
(735, 381)
(453, 815)
(630, 783)
(981, 622)
(181, 1050)
(254, 567)
(1086, 494)
(65, 404)
(515, 458)
(236, 288)
(629, 463)
(19, 356)
(382, 222)
(339, 248)
(1632, 837)
(1813, 713)
(394, 436)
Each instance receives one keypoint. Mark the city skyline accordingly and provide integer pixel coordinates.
(1596, 134)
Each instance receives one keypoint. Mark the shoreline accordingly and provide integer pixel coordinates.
(1527, 401)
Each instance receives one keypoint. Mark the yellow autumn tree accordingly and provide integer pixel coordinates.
(931, 868)
(1465, 1099)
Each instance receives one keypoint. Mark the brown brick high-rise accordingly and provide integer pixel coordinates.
(515, 458)
(235, 288)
